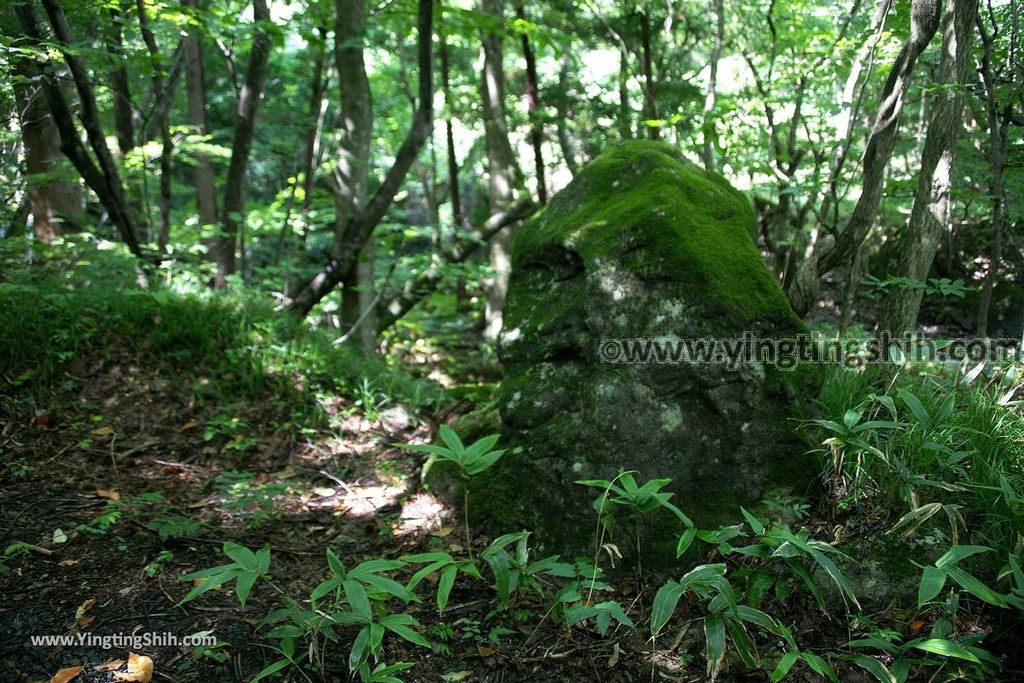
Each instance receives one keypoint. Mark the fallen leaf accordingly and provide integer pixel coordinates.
(67, 563)
(65, 675)
(109, 666)
(442, 532)
(456, 676)
(103, 431)
(916, 625)
(59, 536)
(85, 621)
(614, 659)
(140, 669)
(107, 493)
(82, 609)
(484, 650)
(191, 424)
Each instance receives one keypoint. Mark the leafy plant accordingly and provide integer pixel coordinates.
(245, 569)
(449, 569)
(469, 461)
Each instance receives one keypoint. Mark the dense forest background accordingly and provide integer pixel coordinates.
(254, 263)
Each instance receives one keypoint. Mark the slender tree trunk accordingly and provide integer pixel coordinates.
(532, 100)
(566, 143)
(163, 104)
(361, 227)
(449, 116)
(931, 213)
(650, 91)
(708, 128)
(102, 179)
(849, 110)
(803, 292)
(503, 175)
(54, 201)
(998, 151)
(124, 124)
(352, 171)
(306, 167)
(202, 175)
(249, 98)
(625, 110)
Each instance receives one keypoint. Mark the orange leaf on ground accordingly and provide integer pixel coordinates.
(109, 666)
(65, 675)
(107, 493)
(140, 669)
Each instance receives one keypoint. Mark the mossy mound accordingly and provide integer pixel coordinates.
(642, 244)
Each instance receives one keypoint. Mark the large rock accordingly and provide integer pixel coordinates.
(642, 243)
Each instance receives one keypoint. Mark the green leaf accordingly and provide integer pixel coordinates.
(819, 666)
(873, 667)
(244, 585)
(685, 541)
(357, 599)
(665, 602)
(714, 634)
(452, 440)
(958, 553)
(271, 669)
(754, 523)
(975, 587)
(444, 586)
(932, 581)
(359, 646)
(946, 648)
(785, 664)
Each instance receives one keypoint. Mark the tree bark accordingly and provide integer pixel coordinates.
(163, 104)
(803, 291)
(352, 170)
(999, 121)
(124, 124)
(249, 98)
(102, 179)
(650, 93)
(708, 127)
(55, 202)
(362, 225)
(930, 214)
(202, 173)
(503, 173)
(532, 105)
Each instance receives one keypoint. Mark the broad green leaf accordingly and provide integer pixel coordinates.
(946, 648)
(932, 581)
(714, 634)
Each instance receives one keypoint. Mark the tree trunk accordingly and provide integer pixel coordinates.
(803, 292)
(503, 175)
(202, 174)
(163, 103)
(124, 124)
(532, 101)
(54, 201)
(708, 128)
(249, 98)
(931, 215)
(650, 93)
(352, 171)
(362, 225)
(999, 121)
(102, 179)
(566, 143)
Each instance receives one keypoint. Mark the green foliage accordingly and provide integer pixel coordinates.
(470, 461)
(245, 569)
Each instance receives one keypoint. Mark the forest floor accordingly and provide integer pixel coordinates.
(123, 484)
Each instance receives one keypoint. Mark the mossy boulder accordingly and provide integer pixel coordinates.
(641, 244)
